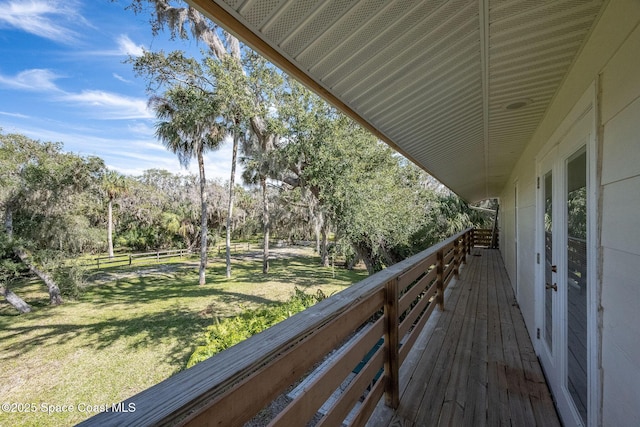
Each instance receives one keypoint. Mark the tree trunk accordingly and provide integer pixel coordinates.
(8, 221)
(204, 218)
(110, 226)
(232, 181)
(317, 226)
(324, 256)
(54, 291)
(265, 220)
(13, 299)
(372, 262)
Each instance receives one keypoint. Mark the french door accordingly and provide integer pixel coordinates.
(565, 294)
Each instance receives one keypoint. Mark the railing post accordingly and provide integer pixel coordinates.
(464, 248)
(456, 259)
(469, 241)
(440, 279)
(392, 359)
(130, 259)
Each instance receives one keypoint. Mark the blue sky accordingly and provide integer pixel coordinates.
(62, 78)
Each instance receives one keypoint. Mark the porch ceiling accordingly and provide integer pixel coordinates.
(432, 78)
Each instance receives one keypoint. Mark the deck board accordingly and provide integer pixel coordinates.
(474, 363)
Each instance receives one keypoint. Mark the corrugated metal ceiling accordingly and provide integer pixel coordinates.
(433, 77)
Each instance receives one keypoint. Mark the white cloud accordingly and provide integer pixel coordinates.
(34, 79)
(111, 105)
(122, 79)
(141, 128)
(105, 105)
(17, 115)
(127, 47)
(42, 18)
(124, 47)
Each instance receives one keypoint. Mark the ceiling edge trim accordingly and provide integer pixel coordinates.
(483, 6)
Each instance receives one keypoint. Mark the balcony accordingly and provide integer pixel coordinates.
(435, 339)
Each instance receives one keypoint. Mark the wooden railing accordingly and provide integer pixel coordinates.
(231, 387)
(485, 237)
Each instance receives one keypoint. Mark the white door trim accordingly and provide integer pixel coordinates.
(587, 105)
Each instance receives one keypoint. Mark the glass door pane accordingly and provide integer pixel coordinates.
(577, 280)
(548, 259)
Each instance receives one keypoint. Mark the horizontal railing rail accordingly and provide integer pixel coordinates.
(484, 237)
(229, 388)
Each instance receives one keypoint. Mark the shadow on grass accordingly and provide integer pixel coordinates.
(140, 313)
(165, 287)
(141, 331)
(164, 308)
(303, 272)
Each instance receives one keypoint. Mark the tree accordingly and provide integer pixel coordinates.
(189, 125)
(265, 86)
(311, 126)
(378, 202)
(324, 153)
(236, 105)
(10, 271)
(183, 21)
(114, 185)
(38, 191)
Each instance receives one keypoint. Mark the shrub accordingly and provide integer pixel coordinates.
(71, 278)
(230, 331)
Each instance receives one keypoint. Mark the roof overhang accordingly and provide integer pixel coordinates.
(456, 86)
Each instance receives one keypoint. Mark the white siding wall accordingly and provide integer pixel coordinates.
(621, 235)
(613, 53)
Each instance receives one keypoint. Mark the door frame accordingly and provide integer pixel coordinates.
(587, 105)
(516, 234)
(544, 164)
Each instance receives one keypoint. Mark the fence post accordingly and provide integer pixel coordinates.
(158, 256)
(130, 259)
(440, 279)
(392, 358)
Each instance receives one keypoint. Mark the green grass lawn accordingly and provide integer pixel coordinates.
(130, 328)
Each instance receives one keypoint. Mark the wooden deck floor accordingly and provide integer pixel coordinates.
(474, 364)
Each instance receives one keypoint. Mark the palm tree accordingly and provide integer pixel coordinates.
(114, 184)
(259, 166)
(236, 104)
(189, 124)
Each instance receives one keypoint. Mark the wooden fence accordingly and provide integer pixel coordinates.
(231, 387)
(130, 259)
